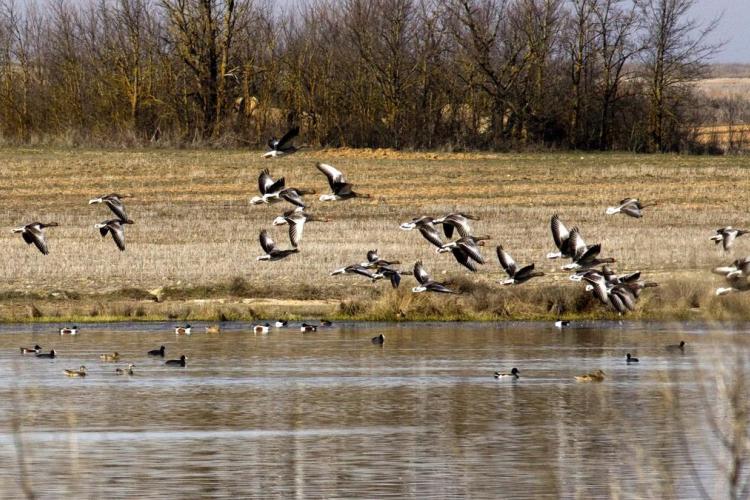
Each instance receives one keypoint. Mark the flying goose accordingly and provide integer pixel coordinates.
(393, 275)
(740, 267)
(629, 206)
(80, 372)
(125, 371)
(282, 146)
(116, 228)
(726, 236)
(275, 191)
(273, 253)
(426, 227)
(425, 283)
(114, 202)
(296, 220)
(374, 260)
(515, 275)
(737, 280)
(561, 236)
(356, 269)
(513, 375)
(584, 256)
(342, 190)
(182, 362)
(31, 350)
(617, 296)
(34, 233)
(458, 221)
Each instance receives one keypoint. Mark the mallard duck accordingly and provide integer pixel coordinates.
(676, 347)
(69, 331)
(177, 362)
(630, 359)
(110, 356)
(34, 233)
(282, 146)
(261, 329)
(183, 330)
(114, 202)
(305, 328)
(125, 371)
(157, 352)
(80, 372)
(379, 340)
(48, 355)
(341, 189)
(597, 376)
(35, 350)
(213, 329)
(281, 324)
(514, 374)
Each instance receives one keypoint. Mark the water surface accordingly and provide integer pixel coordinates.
(330, 415)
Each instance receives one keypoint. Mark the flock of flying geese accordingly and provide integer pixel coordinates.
(620, 292)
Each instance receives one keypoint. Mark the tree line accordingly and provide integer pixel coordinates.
(439, 74)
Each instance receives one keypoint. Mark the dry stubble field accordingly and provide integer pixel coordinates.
(196, 237)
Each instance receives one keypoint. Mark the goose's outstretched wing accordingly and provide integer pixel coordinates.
(463, 258)
(335, 177)
(506, 261)
(296, 227)
(430, 234)
(420, 274)
(560, 233)
(286, 138)
(118, 234)
(35, 235)
(266, 243)
(293, 196)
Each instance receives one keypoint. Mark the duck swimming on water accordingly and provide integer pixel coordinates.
(35, 350)
(182, 362)
(513, 375)
(157, 352)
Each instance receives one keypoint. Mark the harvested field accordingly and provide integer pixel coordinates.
(195, 236)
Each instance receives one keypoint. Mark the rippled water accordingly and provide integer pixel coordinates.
(332, 415)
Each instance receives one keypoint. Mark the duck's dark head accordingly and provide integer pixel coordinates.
(187, 326)
(37, 347)
(515, 372)
(183, 358)
(53, 353)
(682, 344)
(162, 349)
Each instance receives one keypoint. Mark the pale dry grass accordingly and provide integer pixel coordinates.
(725, 87)
(194, 225)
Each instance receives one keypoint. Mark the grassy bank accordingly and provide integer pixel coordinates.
(191, 253)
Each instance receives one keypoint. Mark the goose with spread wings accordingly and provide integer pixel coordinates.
(296, 219)
(114, 202)
(116, 228)
(458, 221)
(374, 260)
(584, 256)
(516, 276)
(426, 284)
(426, 227)
(726, 236)
(34, 233)
(269, 246)
(629, 206)
(283, 146)
(466, 251)
(273, 191)
(342, 190)
(561, 236)
(619, 296)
